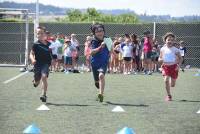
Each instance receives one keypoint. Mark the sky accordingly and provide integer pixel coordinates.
(174, 8)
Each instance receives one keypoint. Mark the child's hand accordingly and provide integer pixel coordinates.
(33, 62)
(103, 44)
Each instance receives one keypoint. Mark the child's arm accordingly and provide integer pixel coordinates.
(160, 59)
(65, 46)
(32, 57)
(96, 50)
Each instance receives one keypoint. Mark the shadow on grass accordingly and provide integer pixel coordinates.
(74, 105)
(187, 101)
(128, 105)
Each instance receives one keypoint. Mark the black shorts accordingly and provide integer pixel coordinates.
(54, 56)
(97, 70)
(183, 59)
(40, 69)
(137, 59)
(147, 55)
(127, 59)
(154, 59)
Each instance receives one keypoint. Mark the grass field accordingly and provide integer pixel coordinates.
(73, 109)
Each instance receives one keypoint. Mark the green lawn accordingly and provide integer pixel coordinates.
(73, 109)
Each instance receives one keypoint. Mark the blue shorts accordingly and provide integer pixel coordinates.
(40, 69)
(68, 60)
(97, 70)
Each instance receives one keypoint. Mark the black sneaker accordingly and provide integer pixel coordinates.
(97, 84)
(43, 98)
(100, 96)
(35, 84)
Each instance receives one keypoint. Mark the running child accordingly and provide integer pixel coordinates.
(99, 58)
(171, 61)
(40, 57)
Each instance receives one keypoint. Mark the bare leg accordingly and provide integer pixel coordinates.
(173, 82)
(167, 85)
(101, 83)
(44, 84)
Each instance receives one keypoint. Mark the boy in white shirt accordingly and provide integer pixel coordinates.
(171, 60)
(68, 51)
(54, 49)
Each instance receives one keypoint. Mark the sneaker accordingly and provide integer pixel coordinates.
(150, 73)
(135, 73)
(168, 98)
(43, 98)
(66, 72)
(145, 72)
(129, 73)
(125, 73)
(35, 84)
(97, 84)
(100, 97)
(51, 71)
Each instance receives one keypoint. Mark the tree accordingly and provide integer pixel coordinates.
(74, 15)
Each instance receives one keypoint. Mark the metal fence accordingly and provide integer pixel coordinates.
(12, 37)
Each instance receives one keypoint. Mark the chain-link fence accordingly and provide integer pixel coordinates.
(12, 43)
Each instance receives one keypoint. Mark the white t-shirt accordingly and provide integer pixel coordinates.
(75, 42)
(69, 50)
(54, 48)
(127, 50)
(182, 52)
(169, 54)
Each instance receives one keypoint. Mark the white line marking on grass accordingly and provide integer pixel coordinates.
(7, 81)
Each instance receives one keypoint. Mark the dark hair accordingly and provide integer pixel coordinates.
(134, 38)
(127, 35)
(96, 26)
(167, 35)
(146, 32)
(42, 28)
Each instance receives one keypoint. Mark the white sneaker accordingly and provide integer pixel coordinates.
(66, 72)
(125, 73)
(129, 73)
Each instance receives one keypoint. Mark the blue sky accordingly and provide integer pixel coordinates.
(151, 7)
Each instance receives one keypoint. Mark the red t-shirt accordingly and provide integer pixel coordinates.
(147, 45)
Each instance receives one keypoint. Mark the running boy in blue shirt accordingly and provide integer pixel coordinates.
(99, 58)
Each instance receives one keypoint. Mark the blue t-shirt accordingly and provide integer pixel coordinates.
(101, 58)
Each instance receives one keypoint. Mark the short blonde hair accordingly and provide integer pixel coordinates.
(167, 35)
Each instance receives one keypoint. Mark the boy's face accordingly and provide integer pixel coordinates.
(99, 33)
(41, 35)
(127, 40)
(170, 41)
